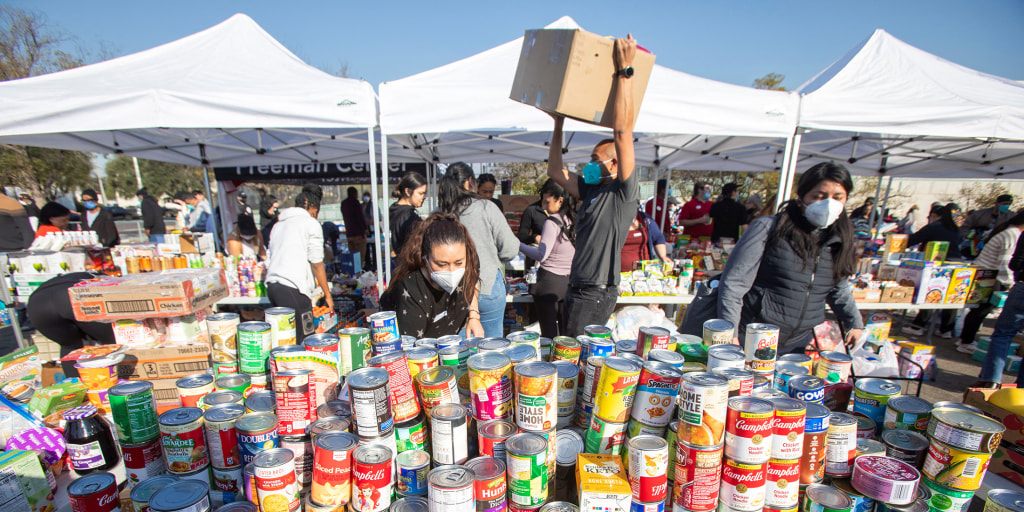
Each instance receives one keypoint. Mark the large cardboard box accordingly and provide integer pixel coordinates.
(164, 363)
(196, 243)
(1008, 461)
(602, 483)
(893, 293)
(158, 294)
(165, 393)
(571, 72)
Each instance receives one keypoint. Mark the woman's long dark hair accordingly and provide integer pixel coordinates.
(410, 181)
(948, 214)
(452, 197)
(793, 228)
(570, 205)
(438, 229)
(51, 210)
(1016, 220)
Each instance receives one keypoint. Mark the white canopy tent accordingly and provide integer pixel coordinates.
(228, 95)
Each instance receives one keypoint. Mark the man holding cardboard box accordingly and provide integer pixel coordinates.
(608, 191)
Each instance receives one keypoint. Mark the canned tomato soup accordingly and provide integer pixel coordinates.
(277, 489)
(451, 489)
(413, 469)
(491, 487)
(190, 495)
(743, 486)
(748, 431)
(372, 479)
(95, 492)
(183, 439)
(332, 469)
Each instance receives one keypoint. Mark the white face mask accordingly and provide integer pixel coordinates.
(448, 280)
(823, 213)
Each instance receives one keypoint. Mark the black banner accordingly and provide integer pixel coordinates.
(324, 174)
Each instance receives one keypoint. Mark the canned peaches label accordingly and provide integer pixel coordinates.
(332, 475)
(492, 393)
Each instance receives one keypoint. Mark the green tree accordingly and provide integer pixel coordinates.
(527, 177)
(772, 81)
(977, 195)
(159, 178)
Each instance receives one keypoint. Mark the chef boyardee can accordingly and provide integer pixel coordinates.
(257, 432)
(841, 447)
(184, 444)
(437, 386)
(870, 397)
(822, 498)
(413, 467)
(907, 413)
(945, 499)
(412, 435)
(134, 411)
(785, 371)
(906, 446)
(656, 394)
(807, 389)
(253, 346)
(527, 469)
(651, 338)
(954, 467)
(965, 430)
(491, 487)
(451, 489)
(616, 389)
(702, 408)
(369, 393)
(761, 344)
(536, 395)
(812, 463)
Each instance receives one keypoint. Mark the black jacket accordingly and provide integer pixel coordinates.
(402, 218)
(104, 227)
(152, 216)
(15, 230)
(530, 226)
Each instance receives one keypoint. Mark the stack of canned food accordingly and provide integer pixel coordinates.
(486, 425)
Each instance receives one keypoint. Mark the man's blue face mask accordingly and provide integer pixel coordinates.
(89, 205)
(1003, 208)
(592, 172)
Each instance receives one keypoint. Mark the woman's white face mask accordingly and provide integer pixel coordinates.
(448, 280)
(823, 213)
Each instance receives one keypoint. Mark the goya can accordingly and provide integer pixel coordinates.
(222, 436)
(954, 467)
(404, 403)
(816, 426)
(536, 395)
(143, 460)
(490, 385)
(451, 489)
(491, 485)
(193, 388)
(656, 394)
(565, 348)
(807, 388)
(413, 467)
(648, 468)
(841, 447)
(788, 429)
(253, 346)
(372, 478)
(282, 326)
(450, 434)
(615, 391)
(651, 338)
(885, 480)
(353, 348)
(870, 397)
(492, 435)
(965, 430)
(761, 346)
(702, 407)
(945, 499)
(748, 431)
(782, 484)
(257, 432)
(277, 489)
(296, 401)
(907, 413)
(142, 491)
(527, 469)
(134, 411)
(368, 390)
(822, 498)
(905, 446)
(698, 476)
(833, 366)
(743, 486)
(718, 332)
(183, 440)
(420, 359)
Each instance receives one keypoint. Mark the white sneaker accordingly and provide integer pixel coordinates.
(916, 331)
(966, 348)
(947, 335)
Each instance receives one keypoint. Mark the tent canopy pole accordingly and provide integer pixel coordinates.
(376, 224)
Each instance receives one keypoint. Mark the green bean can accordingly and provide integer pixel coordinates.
(253, 346)
(945, 499)
(353, 348)
(134, 411)
(526, 457)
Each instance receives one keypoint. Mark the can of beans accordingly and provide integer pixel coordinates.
(965, 430)
(353, 348)
(491, 486)
(302, 451)
(761, 344)
(822, 498)
(276, 485)
(748, 431)
(615, 391)
(490, 385)
(788, 429)
(282, 326)
(656, 394)
(222, 436)
(702, 405)
(743, 486)
(782, 489)
(816, 426)
(650, 338)
(145, 489)
(296, 401)
(870, 397)
(332, 469)
(450, 429)
(193, 388)
(785, 371)
(568, 377)
(257, 432)
(368, 390)
(905, 446)
(372, 478)
(954, 467)
(492, 436)
(648, 468)
(807, 388)
(698, 476)
(413, 468)
(253, 346)
(527, 469)
(841, 448)
(143, 460)
(261, 401)
(907, 413)
(536, 395)
(404, 402)
(565, 348)
(184, 444)
(452, 488)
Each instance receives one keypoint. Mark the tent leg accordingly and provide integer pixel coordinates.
(664, 200)
(206, 181)
(384, 236)
(789, 160)
(878, 193)
(376, 224)
(885, 203)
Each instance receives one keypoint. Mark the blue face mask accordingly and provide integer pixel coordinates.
(1003, 208)
(89, 205)
(592, 172)
(707, 195)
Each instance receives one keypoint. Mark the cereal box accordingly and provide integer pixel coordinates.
(929, 279)
(960, 283)
(602, 483)
(984, 285)
(895, 243)
(918, 353)
(877, 326)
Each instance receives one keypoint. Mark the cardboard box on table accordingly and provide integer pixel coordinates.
(929, 279)
(158, 294)
(571, 72)
(894, 293)
(1008, 460)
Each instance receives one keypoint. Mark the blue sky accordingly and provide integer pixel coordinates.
(732, 41)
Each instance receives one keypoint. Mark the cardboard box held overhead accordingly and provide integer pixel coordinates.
(572, 71)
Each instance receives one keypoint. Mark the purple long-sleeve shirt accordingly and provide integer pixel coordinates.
(554, 252)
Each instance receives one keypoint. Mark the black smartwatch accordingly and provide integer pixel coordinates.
(626, 72)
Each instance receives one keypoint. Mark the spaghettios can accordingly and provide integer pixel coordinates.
(743, 486)
(282, 326)
(450, 434)
(650, 338)
(605, 437)
(222, 436)
(907, 413)
(965, 430)
(527, 469)
(384, 327)
(413, 468)
(648, 468)
(782, 489)
(841, 447)
(412, 435)
(788, 429)
(372, 478)
(718, 332)
(420, 359)
(886, 480)
(741, 382)
(568, 376)
(353, 348)
(368, 390)
(253, 346)
(785, 371)
(222, 328)
(332, 469)
(861, 503)
(615, 391)
(822, 498)
(451, 489)
(702, 405)
(437, 386)
(565, 348)
(491, 486)
(257, 432)
(761, 346)
(143, 460)
(807, 388)
(491, 386)
(183, 441)
(698, 476)
(276, 485)
(954, 467)
(239, 382)
(536, 395)
(905, 446)
(491, 437)
(870, 397)
(812, 463)
(748, 431)
(656, 394)
(945, 499)
(296, 401)
(833, 366)
(134, 411)
(403, 398)
(193, 388)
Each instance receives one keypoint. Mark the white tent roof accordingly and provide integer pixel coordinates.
(461, 111)
(232, 87)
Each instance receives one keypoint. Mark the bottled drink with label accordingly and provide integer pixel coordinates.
(90, 440)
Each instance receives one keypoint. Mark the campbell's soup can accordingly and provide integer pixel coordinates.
(761, 346)
(404, 402)
(372, 478)
(788, 429)
(782, 484)
(743, 486)
(95, 492)
(748, 431)
(656, 394)
(812, 462)
(697, 476)
(648, 468)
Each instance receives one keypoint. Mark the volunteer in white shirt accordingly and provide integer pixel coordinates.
(297, 237)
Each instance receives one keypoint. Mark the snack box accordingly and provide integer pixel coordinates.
(984, 285)
(936, 251)
(961, 281)
(878, 325)
(168, 293)
(28, 486)
(56, 398)
(602, 483)
(572, 72)
(918, 353)
(895, 243)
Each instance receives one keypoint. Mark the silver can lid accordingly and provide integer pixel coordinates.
(336, 441)
(880, 387)
(148, 487)
(410, 504)
(1011, 500)
(222, 397)
(526, 444)
(194, 381)
(91, 483)
(413, 459)
(368, 377)
(486, 468)
(131, 388)
(536, 369)
(568, 446)
(181, 416)
(179, 496)
(488, 361)
(451, 477)
(273, 458)
(750, 404)
(256, 422)
(566, 369)
(224, 412)
(497, 429)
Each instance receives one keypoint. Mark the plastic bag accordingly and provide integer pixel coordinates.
(869, 364)
(630, 319)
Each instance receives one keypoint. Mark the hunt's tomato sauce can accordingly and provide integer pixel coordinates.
(491, 486)
(748, 431)
(372, 478)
